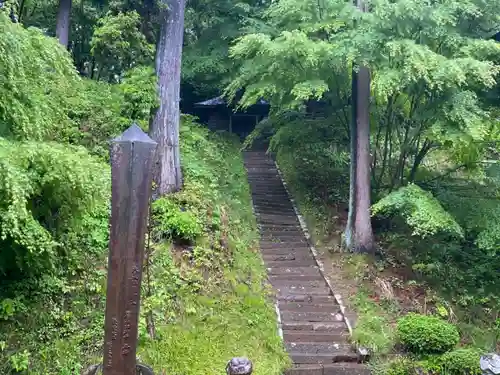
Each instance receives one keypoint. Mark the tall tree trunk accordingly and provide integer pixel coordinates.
(358, 236)
(165, 126)
(63, 18)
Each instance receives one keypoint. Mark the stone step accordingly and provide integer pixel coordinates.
(286, 233)
(286, 213)
(262, 181)
(329, 369)
(285, 237)
(308, 307)
(285, 240)
(293, 271)
(261, 166)
(282, 229)
(315, 276)
(277, 191)
(303, 290)
(288, 256)
(313, 336)
(277, 219)
(290, 238)
(266, 190)
(319, 348)
(291, 263)
(294, 287)
(334, 327)
(270, 203)
(266, 244)
(286, 226)
(310, 298)
(273, 208)
(299, 285)
(311, 317)
(342, 355)
(286, 250)
(271, 179)
(265, 220)
(272, 198)
(259, 161)
(290, 241)
(274, 203)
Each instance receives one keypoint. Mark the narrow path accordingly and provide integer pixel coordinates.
(314, 332)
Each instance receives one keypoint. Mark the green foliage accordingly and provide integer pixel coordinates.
(213, 26)
(118, 45)
(372, 329)
(32, 69)
(421, 211)
(399, 366)
(371, 332)
(458, 362)
(140, 98)
(46, 191)
(461, 361)
(104, 110)
(174, 222)
(424, 334)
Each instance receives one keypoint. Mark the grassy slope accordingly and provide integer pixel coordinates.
(224, 311)
(207, 297)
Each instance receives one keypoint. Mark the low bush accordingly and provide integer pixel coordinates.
(175, 222)
(422, 334)
(461, 362)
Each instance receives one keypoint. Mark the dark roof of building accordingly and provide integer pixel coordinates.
(219, 100)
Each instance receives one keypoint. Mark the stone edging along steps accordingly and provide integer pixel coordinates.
(311, 317)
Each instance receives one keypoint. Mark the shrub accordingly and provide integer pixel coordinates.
(461, 362)
(424, 334)
(175, 222)
(49, 195)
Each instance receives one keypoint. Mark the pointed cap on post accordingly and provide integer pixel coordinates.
(134, 134)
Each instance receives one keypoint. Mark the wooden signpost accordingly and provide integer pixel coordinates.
(132, 157)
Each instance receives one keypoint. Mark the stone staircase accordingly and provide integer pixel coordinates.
(312, 324)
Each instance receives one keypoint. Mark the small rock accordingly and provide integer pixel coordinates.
(239, 366)
(490, 364)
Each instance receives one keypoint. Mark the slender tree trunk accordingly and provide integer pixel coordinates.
(358, 236)
(165, 126)
(63, 18)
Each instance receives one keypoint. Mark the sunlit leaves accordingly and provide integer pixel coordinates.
(421, 211)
